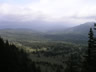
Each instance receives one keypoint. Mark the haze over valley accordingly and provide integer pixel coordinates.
(53, 33)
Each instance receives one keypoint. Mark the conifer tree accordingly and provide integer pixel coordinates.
(90, 43)
(90, 60)
(12, 59)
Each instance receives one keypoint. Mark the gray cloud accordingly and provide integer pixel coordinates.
(50, 12)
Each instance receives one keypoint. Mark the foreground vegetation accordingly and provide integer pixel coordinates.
(14, 59)
(42, 56)
(48, 56)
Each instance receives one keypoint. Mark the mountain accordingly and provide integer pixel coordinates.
(81, 29)
(77, 34)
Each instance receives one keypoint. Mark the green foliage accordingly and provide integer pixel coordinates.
(44, 54)
(14, 60)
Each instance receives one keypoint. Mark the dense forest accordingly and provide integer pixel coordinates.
(49, 56)
(15, 60)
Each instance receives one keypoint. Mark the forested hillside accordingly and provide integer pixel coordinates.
(56, 58)
(48, 56)
(15, 60)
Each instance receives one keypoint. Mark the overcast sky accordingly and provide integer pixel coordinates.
(71, 11)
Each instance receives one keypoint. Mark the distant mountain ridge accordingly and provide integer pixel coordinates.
(77, 34)
(40, 26)
(82, 28)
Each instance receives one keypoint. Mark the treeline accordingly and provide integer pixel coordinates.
(13, 59)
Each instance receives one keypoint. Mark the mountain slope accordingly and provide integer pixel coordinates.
(81, 29)
(77, 34)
